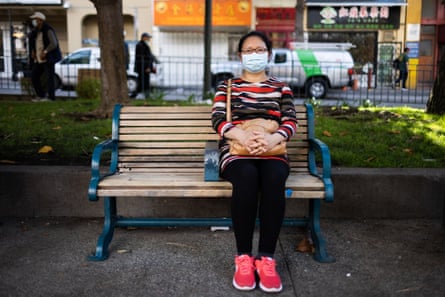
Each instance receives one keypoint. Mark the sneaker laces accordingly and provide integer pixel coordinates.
(268, 266)
(244, 264)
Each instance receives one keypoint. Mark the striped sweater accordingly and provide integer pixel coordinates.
(270, 99)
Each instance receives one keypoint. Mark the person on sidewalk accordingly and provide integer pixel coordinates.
(46, 53)
(403, 69)
(144, 65)
(258, 182)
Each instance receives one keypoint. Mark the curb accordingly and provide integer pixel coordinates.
(359, 193)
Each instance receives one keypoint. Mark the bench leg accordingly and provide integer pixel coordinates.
(108, 230)
(320, 254)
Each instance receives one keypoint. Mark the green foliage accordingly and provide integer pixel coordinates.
(156, 95)
(357, 137)
(383, 137)
(314, 102)
(88, 88)
(26, 127)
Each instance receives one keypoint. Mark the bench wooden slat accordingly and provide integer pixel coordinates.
(167, 137)
(181, 169)
(180, 109)
(142, 153)
(140, 129)
(185, 193)
(189, 182)
(184, 144)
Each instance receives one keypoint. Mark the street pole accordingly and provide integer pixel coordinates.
(207, 48)
(299, 29)
(12, 45)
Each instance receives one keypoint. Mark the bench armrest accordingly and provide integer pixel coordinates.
(316, 145)
(104, 146)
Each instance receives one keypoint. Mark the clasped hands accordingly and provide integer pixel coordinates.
(258, 143)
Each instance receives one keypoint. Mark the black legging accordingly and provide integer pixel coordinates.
(254, 180)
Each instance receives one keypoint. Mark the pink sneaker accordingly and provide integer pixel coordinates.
(244, 277)
(270, 281)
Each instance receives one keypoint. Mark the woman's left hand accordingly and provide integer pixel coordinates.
(271, 140)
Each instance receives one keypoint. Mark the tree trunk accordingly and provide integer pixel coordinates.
(111, 42)
(436, 102)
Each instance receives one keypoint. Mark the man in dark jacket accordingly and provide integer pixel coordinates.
(144, 65)
(46, 53)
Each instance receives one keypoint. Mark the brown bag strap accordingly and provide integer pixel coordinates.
(229, 101)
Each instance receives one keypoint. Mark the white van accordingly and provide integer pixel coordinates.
(312, 66)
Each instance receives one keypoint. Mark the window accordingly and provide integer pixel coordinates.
(426, 48)
(427, 29)
(280, 58)
(429, 9)
(81, 57)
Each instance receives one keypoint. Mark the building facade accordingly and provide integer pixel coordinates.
(378, 28)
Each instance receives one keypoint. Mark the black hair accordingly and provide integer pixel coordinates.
(406, 49)
(258, 34)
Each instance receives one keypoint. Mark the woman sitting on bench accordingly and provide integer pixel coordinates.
(258, 179)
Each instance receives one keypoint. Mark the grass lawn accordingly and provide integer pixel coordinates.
(53, 133)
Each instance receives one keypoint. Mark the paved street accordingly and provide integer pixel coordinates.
(47, 257)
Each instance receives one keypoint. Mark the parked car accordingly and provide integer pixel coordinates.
(67, 69)
(312, 66)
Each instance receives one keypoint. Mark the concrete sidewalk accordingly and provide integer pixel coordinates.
(47, 257)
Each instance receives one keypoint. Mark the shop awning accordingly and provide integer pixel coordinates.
(356, 3)
(31, 2)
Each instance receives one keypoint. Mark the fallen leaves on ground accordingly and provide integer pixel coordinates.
(372, 158)
(46, 149)
(408, 151)
(327, 133)
(305, 246)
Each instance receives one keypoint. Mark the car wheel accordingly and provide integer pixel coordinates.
(316, 87)
(132, 84)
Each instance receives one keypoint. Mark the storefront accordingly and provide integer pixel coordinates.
(179, 24)
(373, 27)
(278, 23)
(15, 26)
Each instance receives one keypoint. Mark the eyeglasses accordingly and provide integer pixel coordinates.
(258, 50)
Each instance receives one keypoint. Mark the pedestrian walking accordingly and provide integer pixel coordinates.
(403, 69)
(144, 65)
(45, 52)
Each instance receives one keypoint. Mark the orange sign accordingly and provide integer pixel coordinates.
(191, 12)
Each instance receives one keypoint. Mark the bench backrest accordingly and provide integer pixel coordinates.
(167, 138)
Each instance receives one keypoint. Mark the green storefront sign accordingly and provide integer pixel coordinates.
(354, 17)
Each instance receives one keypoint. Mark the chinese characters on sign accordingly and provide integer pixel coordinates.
(276, 18)
(355, 17)
(191, 12)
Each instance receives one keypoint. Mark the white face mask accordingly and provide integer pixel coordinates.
(34, 22)
(255, 62)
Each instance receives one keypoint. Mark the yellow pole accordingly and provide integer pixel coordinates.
(413, 20)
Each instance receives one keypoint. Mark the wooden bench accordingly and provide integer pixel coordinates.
(158, 152)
